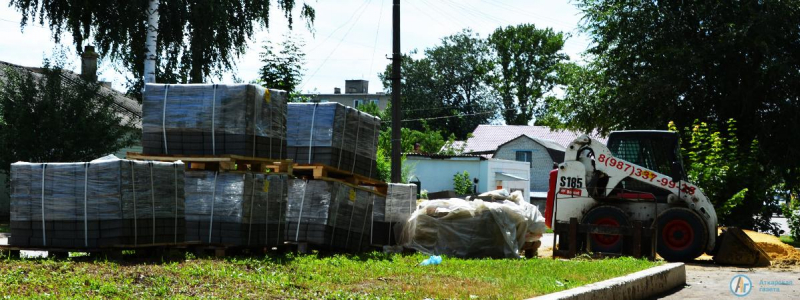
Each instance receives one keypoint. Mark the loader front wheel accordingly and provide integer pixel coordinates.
(608, 216)
(681, 235)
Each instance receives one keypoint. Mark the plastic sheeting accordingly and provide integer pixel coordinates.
(143, 200)
(345, 130)
(236, 208)
(222, 110)
(329, 213)
(474, 229)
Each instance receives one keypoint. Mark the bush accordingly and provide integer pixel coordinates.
(462, 184)
(731, 175)
(792, 213)
(57, 118)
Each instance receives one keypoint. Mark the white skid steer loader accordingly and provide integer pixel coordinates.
(626, 181)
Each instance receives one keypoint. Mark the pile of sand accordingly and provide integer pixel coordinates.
(779, 253)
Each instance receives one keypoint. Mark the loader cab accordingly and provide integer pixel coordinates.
(654, 149)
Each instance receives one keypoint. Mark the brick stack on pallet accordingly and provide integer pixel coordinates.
(235, 209)
(229, 135)
(329, 214)
(102, 203)
(334, 135)
(391, 213)
(214, 119)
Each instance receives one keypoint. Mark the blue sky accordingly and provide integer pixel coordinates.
(351, 38)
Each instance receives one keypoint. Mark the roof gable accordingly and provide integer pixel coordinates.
(487, 138)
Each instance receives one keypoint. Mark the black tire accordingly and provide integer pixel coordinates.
(606, 215)
(681, 235)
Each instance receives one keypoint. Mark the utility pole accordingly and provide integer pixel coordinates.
(396, 112)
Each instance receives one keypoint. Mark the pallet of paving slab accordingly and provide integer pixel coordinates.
(229, 162)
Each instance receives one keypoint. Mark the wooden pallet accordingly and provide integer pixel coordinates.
(320, 171)
(112, 252)
(574, 231)
(228, 162)
(221, 250)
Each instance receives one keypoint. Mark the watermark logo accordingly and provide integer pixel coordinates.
(741, 285)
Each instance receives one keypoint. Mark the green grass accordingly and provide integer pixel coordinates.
(365, 276)
(790, 241)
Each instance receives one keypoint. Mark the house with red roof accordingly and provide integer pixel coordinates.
(540, 146)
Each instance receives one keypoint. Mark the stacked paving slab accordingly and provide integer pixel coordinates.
(391, 213)
(214, 119)
(102, 203)
(236, 209)
(330, 214)
(335, 135)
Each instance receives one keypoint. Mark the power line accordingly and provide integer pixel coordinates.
(27, 24)
(337, 47)
(341, 26)
(375, 44)
(455, 116)
(426, 13)
(472, 15)
(444, 14)
(525, 12)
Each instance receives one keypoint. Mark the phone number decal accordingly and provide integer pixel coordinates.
(645, 174)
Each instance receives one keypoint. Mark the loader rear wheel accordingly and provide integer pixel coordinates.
(609, 216)
(681, 235)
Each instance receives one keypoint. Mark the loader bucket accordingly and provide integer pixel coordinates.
(736, 248)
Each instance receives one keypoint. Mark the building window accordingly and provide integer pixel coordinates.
(374, 101)
(357, 103)
(525, 156)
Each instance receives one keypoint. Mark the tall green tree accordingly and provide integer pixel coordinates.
(196, 38)
(448, 86)
(656, 61)
(57, 117)
(283, 69)
(526, 60)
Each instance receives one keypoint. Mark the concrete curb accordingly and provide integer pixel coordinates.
(639, 285)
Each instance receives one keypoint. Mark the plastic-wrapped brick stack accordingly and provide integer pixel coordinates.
(214, 119)
(335, 135)
(391, 213)
(235, 209)
(329, 214)
(105, 202)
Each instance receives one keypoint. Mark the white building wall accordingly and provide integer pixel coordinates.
(541, 163)
(511, 167)
(437, 174)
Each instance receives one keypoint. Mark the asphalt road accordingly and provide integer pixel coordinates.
(707, 281)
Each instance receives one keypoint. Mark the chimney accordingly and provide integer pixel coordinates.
(89, 64)
(337, 90)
